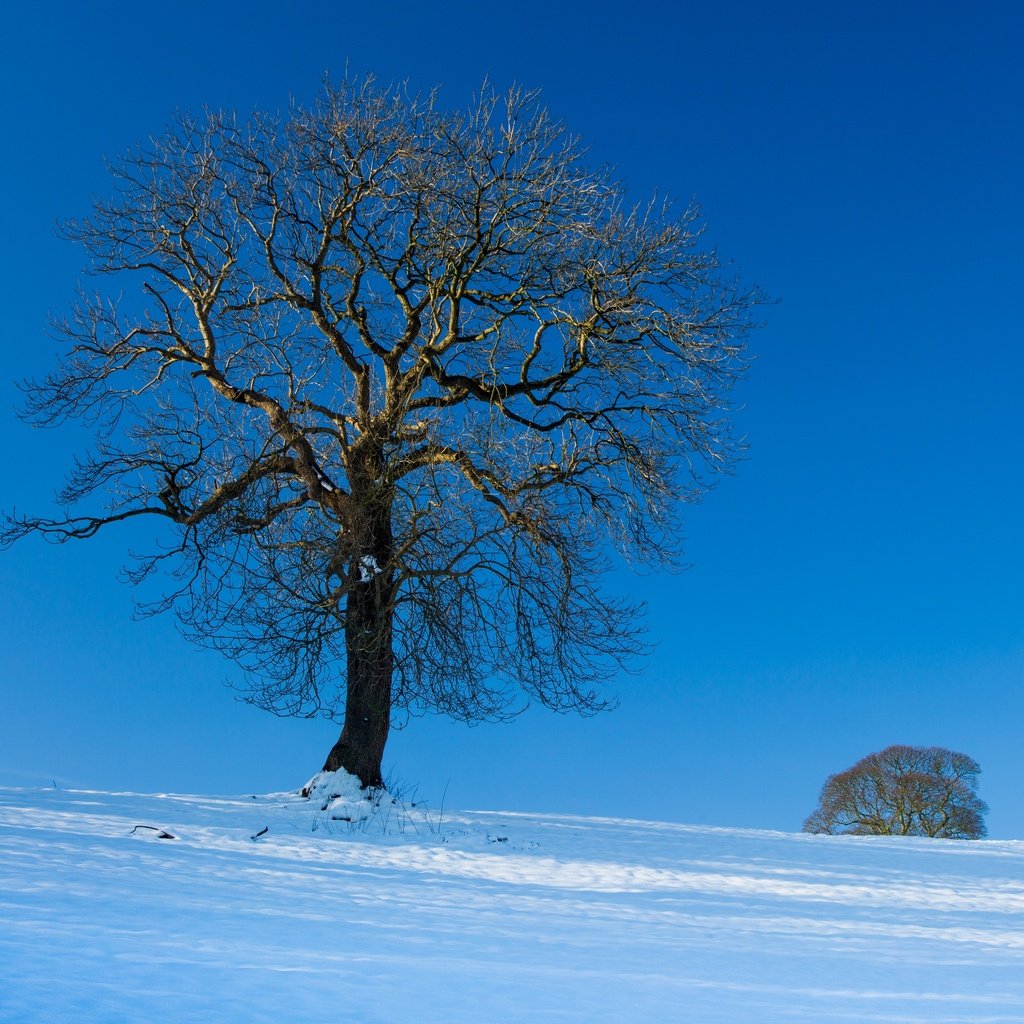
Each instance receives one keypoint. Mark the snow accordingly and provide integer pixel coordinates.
(361, 911)
(368, 568)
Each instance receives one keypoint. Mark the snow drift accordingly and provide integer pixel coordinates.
(337, 908)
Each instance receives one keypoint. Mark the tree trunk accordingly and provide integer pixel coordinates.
(369, 657)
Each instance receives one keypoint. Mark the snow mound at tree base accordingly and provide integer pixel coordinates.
(329, 786)
(340, 803)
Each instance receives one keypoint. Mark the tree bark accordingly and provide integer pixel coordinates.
(369, 657)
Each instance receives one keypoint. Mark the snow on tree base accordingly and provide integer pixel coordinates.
(330, 786)
(341, 803)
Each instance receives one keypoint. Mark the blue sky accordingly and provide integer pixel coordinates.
(856, 583)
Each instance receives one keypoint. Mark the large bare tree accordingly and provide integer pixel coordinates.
(398, 381)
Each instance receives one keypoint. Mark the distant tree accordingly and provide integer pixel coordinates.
(393, 378)
(904, 791)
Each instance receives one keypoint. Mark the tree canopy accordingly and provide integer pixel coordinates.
(905, 791)
(397, 381)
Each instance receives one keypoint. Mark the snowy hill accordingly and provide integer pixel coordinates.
(401, 915)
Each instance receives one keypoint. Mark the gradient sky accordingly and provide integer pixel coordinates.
(857, 582)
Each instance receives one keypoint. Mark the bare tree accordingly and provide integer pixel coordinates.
(393, 377)
(904, 791)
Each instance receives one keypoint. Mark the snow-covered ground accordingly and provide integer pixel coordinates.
(402, 916)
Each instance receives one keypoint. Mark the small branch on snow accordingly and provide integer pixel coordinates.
(160, 833)
(262, 832)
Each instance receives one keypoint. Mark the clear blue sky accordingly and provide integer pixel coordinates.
(857, 583)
